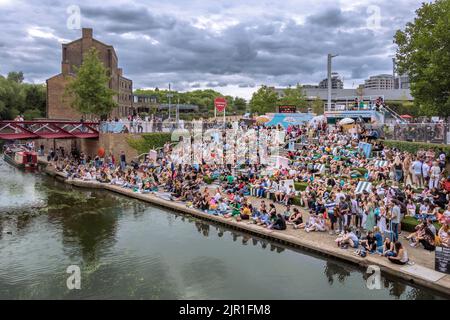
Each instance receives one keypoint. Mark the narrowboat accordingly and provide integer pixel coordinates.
(21, 158)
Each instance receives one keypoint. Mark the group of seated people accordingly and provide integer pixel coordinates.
(330, 195)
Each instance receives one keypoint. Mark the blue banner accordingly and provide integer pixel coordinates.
(366, 148)
(112, 127)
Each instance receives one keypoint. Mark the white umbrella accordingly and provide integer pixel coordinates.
(318, 119)
(346, 121)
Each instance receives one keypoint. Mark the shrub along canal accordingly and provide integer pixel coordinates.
(128, 249)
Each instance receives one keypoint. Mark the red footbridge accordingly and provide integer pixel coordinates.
(48, 129)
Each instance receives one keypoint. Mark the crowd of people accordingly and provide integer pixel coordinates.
(329, 185)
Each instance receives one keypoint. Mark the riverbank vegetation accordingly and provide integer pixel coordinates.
(148, 141)
(17, 97)
(204, 99)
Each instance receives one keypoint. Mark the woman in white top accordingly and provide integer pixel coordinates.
(435, 175)
(382, 221)
(401, 256)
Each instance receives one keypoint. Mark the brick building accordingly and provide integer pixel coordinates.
(59, 105)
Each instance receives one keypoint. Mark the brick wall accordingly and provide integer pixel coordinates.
(72, 56)
(112, 143)
(116, 142)
(59, 106)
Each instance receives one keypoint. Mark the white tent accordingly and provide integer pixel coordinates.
(346, 121)
(318, 119)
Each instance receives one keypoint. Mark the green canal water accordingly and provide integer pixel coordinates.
(127, 249)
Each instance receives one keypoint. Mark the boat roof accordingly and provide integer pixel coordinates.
(21, 150)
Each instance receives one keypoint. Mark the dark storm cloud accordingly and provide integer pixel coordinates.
(329, 18)
(158, 46)
(128, 19)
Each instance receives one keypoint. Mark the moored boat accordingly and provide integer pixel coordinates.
(21, 157)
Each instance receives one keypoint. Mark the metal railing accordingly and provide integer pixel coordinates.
(418, 132)
(152, 126)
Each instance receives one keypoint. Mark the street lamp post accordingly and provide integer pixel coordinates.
(170, 95)
(329, 85)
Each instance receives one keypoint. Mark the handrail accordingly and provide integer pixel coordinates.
(393, 113)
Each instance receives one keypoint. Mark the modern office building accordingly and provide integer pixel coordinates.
(336, 82)
(380, 82)
(401, 82)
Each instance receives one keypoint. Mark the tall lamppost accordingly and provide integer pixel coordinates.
(330, 56)
(169, 95)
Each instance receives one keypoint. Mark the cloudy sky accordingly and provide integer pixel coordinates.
(231, 46)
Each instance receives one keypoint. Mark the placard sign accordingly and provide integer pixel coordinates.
(220, 103)
(287, 109)
(442, 260)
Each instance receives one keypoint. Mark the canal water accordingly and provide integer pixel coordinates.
(127, 249)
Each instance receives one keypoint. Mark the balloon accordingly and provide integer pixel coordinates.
(101, 152)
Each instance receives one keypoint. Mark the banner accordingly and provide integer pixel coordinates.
(366, 148)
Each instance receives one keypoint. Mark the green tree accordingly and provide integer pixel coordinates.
(294, 97)
(240, 105)
(12, 98)
(424, 54)
(264, 100)
(317, 106)
(21, 98)
(89, 89)
(16, 76)
(35, 100)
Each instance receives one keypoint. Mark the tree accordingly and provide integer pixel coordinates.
(294, 97)
(90, 88)
(264, 100)
(240, 105)
(16, 76)
(21, 98)
(424, 54)
(317, 106)
(11, 98)
(35, 100)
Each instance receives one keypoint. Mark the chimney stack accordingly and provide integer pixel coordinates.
(65, 68)
(87, 33)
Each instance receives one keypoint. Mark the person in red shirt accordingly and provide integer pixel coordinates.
(446, 184)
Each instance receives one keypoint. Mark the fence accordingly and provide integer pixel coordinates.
(153, 126)
(419, 132)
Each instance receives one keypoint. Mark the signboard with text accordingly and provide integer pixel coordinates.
(220, 104)
(287, 109)
(442, 259)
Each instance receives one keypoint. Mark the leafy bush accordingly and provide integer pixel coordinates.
(361, 171)
(148, 141)
(300, 186)
(208, 180)
(413, 147)
(296, 201)
(409, 224)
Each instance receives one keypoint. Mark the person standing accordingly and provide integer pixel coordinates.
(395, 219)
(417, 173)
(435, 175)
(426, 173)
(123, 160)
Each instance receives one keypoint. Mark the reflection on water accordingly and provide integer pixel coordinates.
(129, 249)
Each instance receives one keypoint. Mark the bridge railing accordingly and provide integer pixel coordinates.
(418, 132)
(152, 126)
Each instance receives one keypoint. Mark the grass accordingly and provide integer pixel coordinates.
(409, 224)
